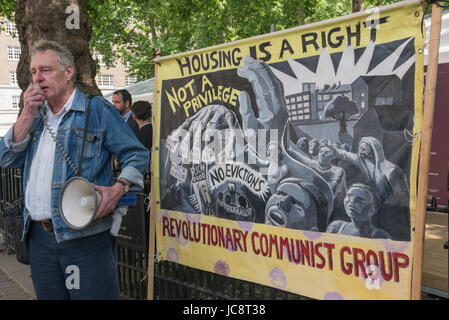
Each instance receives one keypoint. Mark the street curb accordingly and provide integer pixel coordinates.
(31, 294)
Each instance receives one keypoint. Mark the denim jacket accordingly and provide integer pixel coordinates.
(107, 133)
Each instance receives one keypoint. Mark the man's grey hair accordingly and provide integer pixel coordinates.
(63, 55)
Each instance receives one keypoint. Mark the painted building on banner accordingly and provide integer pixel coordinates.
(371, 91)
(310, 100)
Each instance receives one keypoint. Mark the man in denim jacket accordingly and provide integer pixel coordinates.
(67, 263)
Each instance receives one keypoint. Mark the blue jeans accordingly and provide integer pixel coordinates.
(83, 268)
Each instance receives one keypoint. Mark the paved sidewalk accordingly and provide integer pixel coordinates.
(10, 290)
(15, 278)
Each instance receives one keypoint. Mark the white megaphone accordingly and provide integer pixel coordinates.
(79, 202)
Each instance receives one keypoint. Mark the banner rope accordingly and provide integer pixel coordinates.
(146, 200)
(440, 3)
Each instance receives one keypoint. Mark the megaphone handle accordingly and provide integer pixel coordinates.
(117, 221)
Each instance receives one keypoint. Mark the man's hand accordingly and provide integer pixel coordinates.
(269, 94)
(110, 198)
(203, 132)
(33, 98)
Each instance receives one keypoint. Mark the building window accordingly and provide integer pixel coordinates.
(12, 78)
(298, 106)
(11, 29)
(106, 80)
(308, 86)
(130, 80)
(15, 101)
(380, 101)
(14, 53)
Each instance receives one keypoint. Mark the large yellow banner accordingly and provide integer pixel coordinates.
(290, 159)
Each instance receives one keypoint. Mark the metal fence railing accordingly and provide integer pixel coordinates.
(171, 280)
(175, 281)
(10, 190)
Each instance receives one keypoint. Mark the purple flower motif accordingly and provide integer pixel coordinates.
(396, 246)
(312, 235)
(181, 240)
(222, 268)
(278, 279)
(172, 255)
(333, 296)
(163, 214)
(245, 225)
(231, 247)
(193, 217)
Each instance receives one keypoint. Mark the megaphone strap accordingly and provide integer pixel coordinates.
(76, 172)
(85, 134)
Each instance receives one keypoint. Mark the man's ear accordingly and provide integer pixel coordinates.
(69, 72)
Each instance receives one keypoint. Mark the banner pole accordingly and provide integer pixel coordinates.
(152, 231)
(423, 178)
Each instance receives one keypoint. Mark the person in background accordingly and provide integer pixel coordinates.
(314, 147)
(122, 101)
(303, 144)
(335, 176)
(141, 113)
(360, 205)
(388, 181)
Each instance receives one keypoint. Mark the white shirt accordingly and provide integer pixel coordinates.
(143, 125)
(38, 191)
(127, 115)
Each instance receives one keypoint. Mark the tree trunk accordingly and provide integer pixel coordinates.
(343, 134)
(342, 124)
(301, 15)
(357, 5)
(47, 19)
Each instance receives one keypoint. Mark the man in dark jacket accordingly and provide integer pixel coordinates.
(141, 113)
(122, 101)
